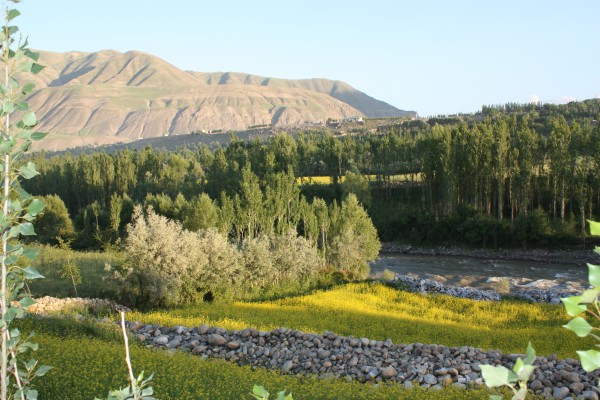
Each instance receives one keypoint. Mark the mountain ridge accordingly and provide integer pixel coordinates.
(108, 96)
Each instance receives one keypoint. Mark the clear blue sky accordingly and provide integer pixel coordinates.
(433, 57)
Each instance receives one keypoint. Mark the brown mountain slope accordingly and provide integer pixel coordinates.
(107, 96)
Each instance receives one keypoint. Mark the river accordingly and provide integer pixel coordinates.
(483, 273)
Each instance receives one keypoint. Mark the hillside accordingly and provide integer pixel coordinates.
(108, 96)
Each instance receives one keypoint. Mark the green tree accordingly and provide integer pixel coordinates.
(355, 240)
(359, 185)
(54, 223)
(202, 213)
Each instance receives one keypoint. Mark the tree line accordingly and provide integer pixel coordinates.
(508, 172)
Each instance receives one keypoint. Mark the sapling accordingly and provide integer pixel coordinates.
(19, 209)
(586, 304)
(516, 379)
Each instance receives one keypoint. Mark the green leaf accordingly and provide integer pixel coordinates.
(12, 14)
(594, 274)
(29, 119)
(25, 66)
(22, 106)
(16, 206)
(27, 229)
(6, 146)
(32, 273)
(30, 253)
(594, 227)
(28, 171)
(27, 88)
(530, 357)
(32, 54)
(35, 207)
(7, 106)
(14, 332)
(27, 302)
(37, 68)
(14, 231)
(10, 314)
(590, 360)
(580, 326)
(259, 392)
(495, 397)
(572, 305)
(38, 135)
(41, 371)
(521, 394)
(525, 372)
(495, 375)
(589, 296)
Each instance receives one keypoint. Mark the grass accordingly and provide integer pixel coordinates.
(85, 366)
(91, 265)
(379, 312)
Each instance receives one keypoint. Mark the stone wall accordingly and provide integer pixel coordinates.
(363, 359)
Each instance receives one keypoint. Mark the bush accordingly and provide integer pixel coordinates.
(162, 261)
(294, 258)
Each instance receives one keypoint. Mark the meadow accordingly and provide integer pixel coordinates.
(88, 358)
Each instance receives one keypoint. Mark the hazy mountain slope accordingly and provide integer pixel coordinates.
(106, 96)
(364, 103)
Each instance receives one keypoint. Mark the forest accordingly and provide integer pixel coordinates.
(511, 175)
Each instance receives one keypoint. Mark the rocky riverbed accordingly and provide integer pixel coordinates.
(363, 359)
(540, 255)
(414, 284)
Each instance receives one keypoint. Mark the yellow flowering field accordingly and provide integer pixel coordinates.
(84, 367)
(379, 312)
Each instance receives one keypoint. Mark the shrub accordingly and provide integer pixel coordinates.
(294, 258)
(162, 260)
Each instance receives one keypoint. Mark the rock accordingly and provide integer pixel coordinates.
(560, 393)
(430, 379)
(233, 345)
(536, 385)
(202, 329)
(408, 385)
(199, 349)
(216, 340)
(140, 337)
(388, 372)
(287, 366)
(589, 395)
(445, 380)
(161, 340)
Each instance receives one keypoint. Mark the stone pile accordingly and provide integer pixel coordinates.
(431, 286)
(52, 305)
(424, 286)
(363, 359)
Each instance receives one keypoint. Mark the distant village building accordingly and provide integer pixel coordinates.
(355, 119)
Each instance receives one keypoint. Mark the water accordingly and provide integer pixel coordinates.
(483, 274)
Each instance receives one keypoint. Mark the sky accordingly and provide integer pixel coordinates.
(433, 57)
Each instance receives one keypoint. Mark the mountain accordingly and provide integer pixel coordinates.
(108, 96)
